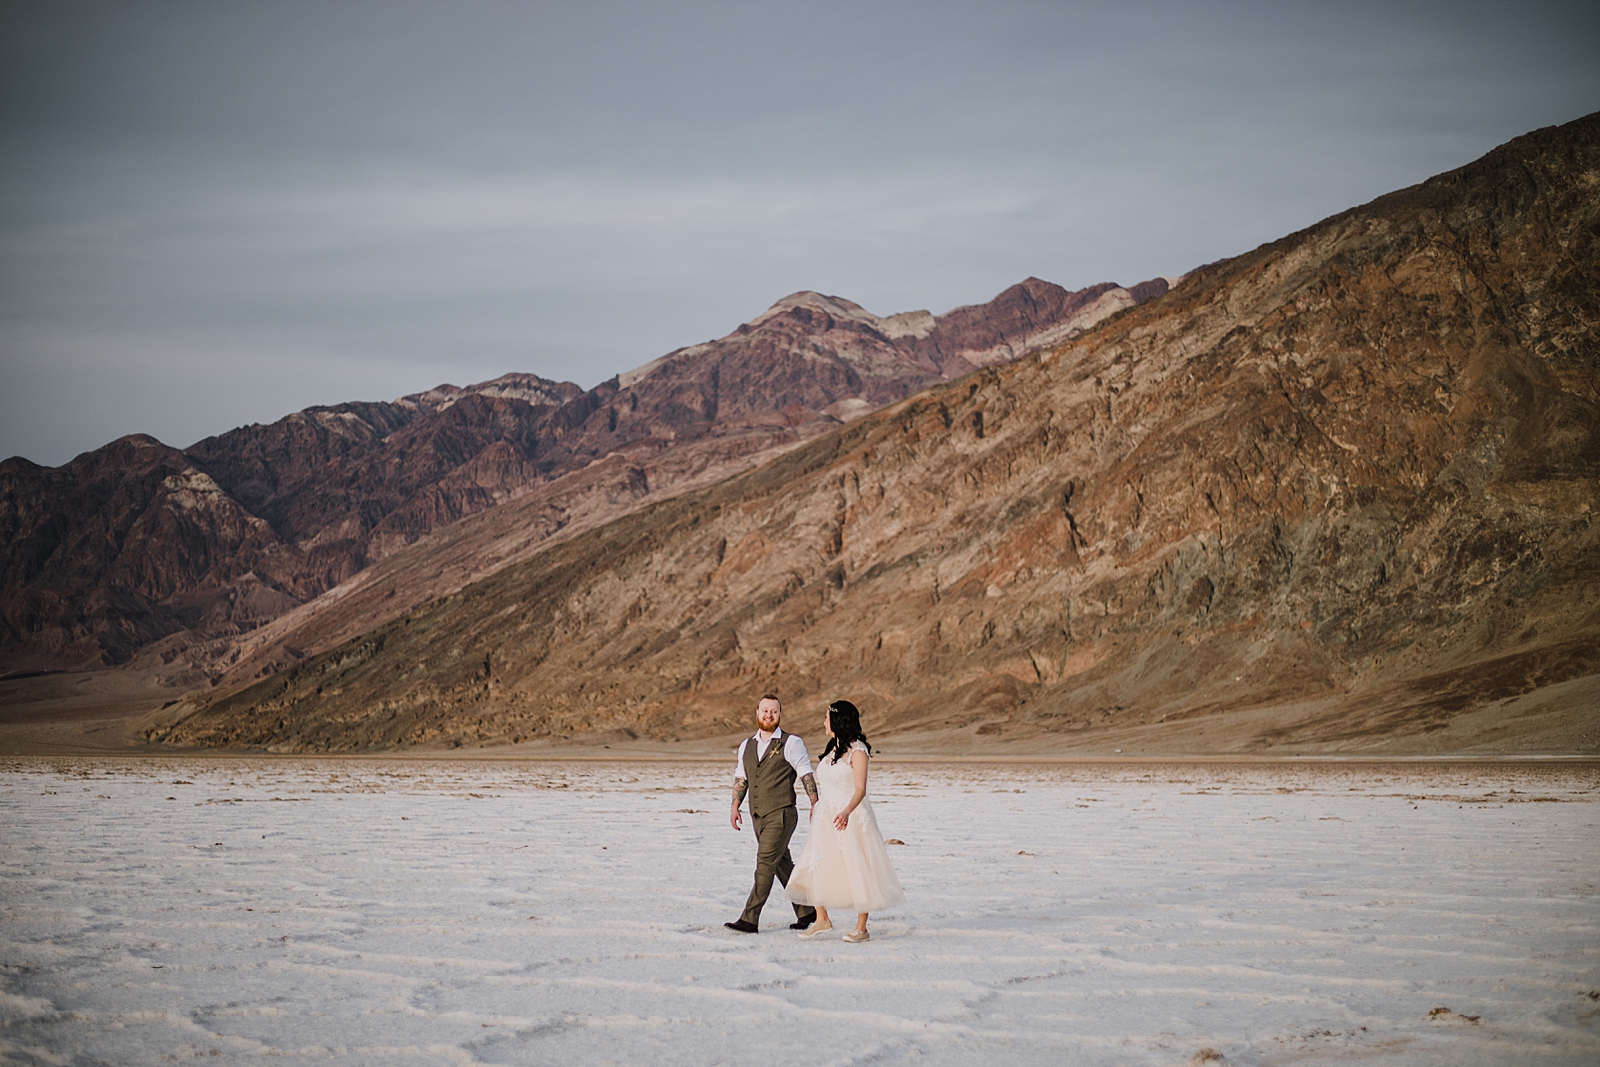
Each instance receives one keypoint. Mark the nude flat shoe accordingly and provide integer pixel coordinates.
(813, 930)
(855, 937)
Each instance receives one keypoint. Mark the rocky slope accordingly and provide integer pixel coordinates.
(141, 554)
(137, 543)
(359, 480)
(125, 545)
(796, 371)
(1351, 478)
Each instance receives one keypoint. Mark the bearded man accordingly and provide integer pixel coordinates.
(766, 768)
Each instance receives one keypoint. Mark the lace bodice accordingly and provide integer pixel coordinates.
(836, 781)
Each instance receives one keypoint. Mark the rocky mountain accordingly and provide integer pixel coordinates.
(357, 481)
(1337, 492)
(125, 545)
(140, 552)
(137, 543)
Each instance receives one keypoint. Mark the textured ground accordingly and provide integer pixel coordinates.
(384, 912)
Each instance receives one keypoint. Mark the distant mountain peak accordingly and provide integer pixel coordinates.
(515, 386)
(314, 498)
(903, 324)
(836, 306)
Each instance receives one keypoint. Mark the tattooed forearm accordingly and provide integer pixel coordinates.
(810, 782)
(740, 787)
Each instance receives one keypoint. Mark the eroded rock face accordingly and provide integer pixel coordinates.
(1356, 469)
(334, 476)
(1024, 318)
(135, 546)
(124, 546)
(96, 571)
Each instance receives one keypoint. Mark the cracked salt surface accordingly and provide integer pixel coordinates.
(363, 912)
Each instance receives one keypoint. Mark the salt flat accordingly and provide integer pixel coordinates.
(369, 912)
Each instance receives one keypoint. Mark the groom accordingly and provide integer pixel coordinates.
(767, 766)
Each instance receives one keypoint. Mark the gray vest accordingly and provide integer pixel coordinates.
(771, 779)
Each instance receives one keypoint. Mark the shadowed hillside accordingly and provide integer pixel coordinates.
(1336, 493)
(167, 562)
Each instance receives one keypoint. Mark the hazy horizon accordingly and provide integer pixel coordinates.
(217, 215)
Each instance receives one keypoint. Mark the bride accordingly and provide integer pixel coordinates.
(845, 863)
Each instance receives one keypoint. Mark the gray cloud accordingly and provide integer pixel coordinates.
(218, 213)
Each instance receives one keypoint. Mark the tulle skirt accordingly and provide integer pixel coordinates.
(849, 870)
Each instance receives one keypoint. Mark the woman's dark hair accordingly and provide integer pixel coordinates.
(846, 723)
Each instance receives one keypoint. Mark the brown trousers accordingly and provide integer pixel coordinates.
(773, 831)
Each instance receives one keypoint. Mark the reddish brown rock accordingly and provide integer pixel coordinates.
(138, 546)
(1336, 493)
(127, 545)
(1024, 318)
(341, 487)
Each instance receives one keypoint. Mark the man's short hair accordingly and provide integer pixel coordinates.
(772, 697)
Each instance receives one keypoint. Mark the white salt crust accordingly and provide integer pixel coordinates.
(362, 912)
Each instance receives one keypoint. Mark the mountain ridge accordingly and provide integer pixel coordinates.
(1336, 493)
(152, 576)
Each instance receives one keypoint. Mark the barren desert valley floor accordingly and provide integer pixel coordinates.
(379, 912)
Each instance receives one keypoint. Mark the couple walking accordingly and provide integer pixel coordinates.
(845, 864)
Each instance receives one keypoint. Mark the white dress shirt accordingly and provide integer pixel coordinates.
(794, 752)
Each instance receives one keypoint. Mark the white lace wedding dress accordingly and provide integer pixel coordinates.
(849, 870)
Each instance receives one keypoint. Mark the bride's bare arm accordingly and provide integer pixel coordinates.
(858, 764)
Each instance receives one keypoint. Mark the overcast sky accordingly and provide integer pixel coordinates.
(215, 213)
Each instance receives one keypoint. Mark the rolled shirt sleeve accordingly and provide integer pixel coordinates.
(738, 761)
(794, 751)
